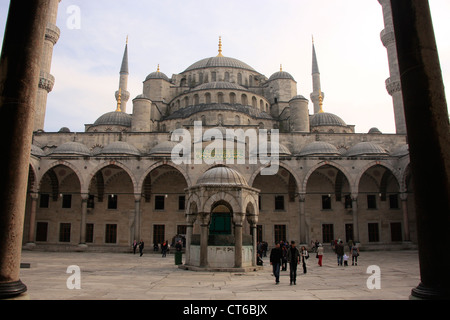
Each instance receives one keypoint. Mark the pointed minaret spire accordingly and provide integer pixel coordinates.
(122, 94)
(220, 47)
(317, 95)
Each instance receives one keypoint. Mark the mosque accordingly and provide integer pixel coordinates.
(116, 182)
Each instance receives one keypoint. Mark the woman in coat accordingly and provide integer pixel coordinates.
(320, 253)
(305, 255)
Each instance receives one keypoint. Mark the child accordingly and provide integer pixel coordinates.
(345, 260)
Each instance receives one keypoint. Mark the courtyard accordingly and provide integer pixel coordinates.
(125, 276)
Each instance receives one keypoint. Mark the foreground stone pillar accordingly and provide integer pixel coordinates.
(137, 217)
(19, 78)
(428, 132)
(355, 217)
(190, 219)
(31, 231)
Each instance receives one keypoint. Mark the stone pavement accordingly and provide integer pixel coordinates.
(123, 276)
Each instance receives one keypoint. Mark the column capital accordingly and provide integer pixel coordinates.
(190, 219)
(403, 196)
(34, 195)
(252, 219)
(354, 196)
(84, 196)
(137, 197)
(205, 218)
(238, 218)
(302, 197)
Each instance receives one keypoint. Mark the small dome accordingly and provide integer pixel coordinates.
(281, 75)
(366, 149)
(157, 75)
(72, 148)
(374, 131)
(401, 152)
(114, 119)
(119, 147)
(280, 150)
(64, 130)
(298, 98)
(319, 148)
(219, 62)
(222, 176)
(164, 148)
(36, 151)
(142, 96)
(219, 85)
(326, 119)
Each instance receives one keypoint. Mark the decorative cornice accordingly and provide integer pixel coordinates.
(46, 81)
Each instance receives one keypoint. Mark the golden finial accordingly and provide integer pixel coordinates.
(281, 67)
(119, 100)
(127, 39)
(220, 47)
(158, 68)
(321, 102)
(312, 36)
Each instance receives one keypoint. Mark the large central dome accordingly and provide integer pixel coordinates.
(219, 61)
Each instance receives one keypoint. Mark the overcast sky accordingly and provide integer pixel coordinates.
(262, 33)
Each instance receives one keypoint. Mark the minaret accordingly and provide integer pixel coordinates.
(393, 84)
(317, 90)
(122, 93)
(46, 80)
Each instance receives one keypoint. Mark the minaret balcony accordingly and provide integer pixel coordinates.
(52, 33)
(393, 85)
(387, 36)
(46, 81)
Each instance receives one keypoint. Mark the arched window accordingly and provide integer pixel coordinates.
(232, 98)
(244, 100)
(254, 102)
(227, 76)
(237, 120)
(240, 78)
(219, 119)
(220, 97)
(196, 99)
(203, 118)
(200, 77)
(186, 102)
(183, 82)
(213, 76)
(261, 105)
(250, 80)
(208, 97)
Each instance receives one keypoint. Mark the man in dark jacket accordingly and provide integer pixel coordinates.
(293, 257)
(275, 261)
(340, 252)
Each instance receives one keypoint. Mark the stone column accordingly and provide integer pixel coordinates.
(190, 219)
(238, 220)
(404, 200)
(355, 217)
(137, 217)
(428, 129)
(84, 201)
(204, 235)
(302, 229)
(19, 77)
(31, 231)
(253, 221)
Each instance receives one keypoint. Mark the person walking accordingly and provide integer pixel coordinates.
(284, 248)
(340, 252)
(355, 254)
(305, 255)
(134, 246)
(320, 253)
(178, 253)
(276, 256)
(164, 249)
(293, 257)
(141, 248)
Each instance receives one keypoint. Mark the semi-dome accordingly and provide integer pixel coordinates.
(326, 119)
(157, 75)
(222, 175)
(114, 118)
(72, 148)
(64, 130)
(280, 149)
(281, 75)
(298, 97)
(319, 148)
(219, 62)
(366, 149)
(119, 147)
(219, 85)
(163, 149)
(36, 151)
(401, 151)
(142, 96)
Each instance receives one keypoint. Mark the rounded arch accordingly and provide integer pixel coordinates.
(223, 197)
(253, 201)
(405, 174)
(56, 164)
(193, 203)
(387, 166)
(32, 178)
(281, 165)
(92, 174)
(159, 164)
(321, 164)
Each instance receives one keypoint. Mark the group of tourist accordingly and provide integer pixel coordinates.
(283, 254)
